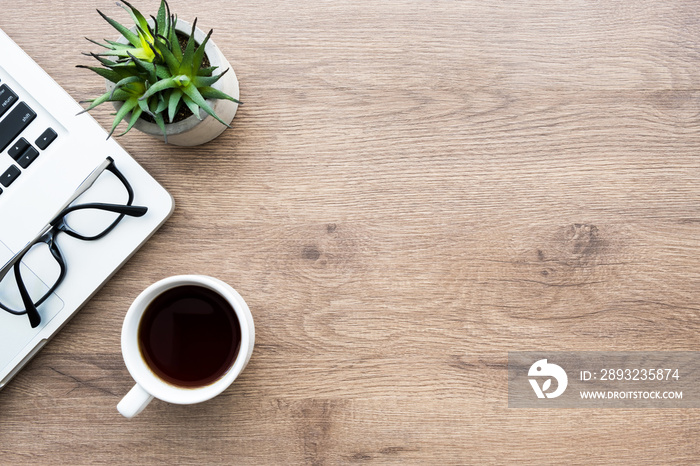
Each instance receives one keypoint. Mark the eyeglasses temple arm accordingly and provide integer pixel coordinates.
(130, 210)
(32, 312)
(84, 186)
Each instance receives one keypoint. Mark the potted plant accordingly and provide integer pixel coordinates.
(164, 78)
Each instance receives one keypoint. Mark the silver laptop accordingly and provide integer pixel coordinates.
(51, 161)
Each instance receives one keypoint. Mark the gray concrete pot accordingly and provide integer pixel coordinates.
(192, 131)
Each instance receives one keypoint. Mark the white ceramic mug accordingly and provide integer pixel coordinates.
(148, 384)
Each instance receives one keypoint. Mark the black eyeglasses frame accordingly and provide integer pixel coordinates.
(58, 225)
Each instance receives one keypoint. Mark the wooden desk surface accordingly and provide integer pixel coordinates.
(411, 190)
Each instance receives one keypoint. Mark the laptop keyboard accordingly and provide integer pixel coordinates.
(15, 117)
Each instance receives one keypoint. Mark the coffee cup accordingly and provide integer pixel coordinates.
(185, 339)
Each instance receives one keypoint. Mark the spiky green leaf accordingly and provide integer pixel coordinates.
(186, 63)
(104, 61)
(162, 103)
(100, 100)
(174, 103)
(115, 43)
(143, 105)
(136, 15)
(161, 124)
(121, 95)
(162, 18)
(96, 43)
(149, 69)
(162, 85)
(208, 71)
(194, 108)
(135, 115)
(198, 57)
(108, 74)
(171, 61)
(121, 113)
(212, 93)
(172, 38)
(202, 81)
(192, 92)
(123, 82)
(128, 35)
(119, 45)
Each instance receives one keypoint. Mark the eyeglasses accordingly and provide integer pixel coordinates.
(81, 218)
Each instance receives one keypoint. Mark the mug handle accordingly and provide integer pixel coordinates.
(134, 402)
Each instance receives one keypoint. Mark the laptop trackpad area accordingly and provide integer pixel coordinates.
(38, 273)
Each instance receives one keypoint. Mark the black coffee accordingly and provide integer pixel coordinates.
(189, 336)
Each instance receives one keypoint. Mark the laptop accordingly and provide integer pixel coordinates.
(47, 152)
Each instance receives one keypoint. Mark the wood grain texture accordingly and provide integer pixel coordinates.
(411, 190)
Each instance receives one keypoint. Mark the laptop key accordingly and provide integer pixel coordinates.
(7, 99)
(17, 148)
(9, 176)
(46, 138)
(14, 123)
(27, 157)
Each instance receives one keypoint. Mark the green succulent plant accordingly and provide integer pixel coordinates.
(152, 74)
